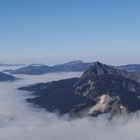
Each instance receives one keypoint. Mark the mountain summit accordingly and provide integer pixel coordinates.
(101, 89)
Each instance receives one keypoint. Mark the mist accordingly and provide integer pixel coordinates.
(19, 120)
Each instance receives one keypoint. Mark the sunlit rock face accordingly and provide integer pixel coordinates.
(101, 89)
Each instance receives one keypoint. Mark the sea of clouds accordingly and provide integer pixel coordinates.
(21, 121)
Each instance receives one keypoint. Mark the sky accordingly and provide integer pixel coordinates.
(57, 31)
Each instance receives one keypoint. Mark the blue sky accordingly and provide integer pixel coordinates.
(56, 31)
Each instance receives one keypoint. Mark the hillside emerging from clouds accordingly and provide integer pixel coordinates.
(101, 89)
(74, 66)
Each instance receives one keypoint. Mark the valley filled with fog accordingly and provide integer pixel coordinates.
(20, 120)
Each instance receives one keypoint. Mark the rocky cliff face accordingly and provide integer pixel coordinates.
(112, 89)
(101, 89)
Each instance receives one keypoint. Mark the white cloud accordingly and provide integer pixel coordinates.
(20, 121)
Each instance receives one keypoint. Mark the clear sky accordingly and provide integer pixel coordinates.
(56, 31)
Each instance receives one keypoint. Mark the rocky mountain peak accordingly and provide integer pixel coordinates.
(101, 69)
(105, 81)
(101, 89)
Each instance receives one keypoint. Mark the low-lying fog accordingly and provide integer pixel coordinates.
(20, 121)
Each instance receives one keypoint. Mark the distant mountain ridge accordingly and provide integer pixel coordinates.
(130, 67)
(101, 89)
(74, 66)
(6, 77)
(42, 69)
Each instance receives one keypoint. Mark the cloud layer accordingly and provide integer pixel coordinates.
(20, 121)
